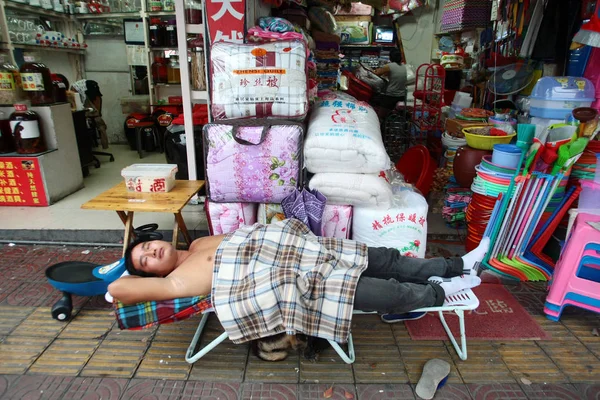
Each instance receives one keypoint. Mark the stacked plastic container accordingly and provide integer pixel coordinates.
(556, 97)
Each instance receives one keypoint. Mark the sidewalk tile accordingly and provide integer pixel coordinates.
(64, 357)
(38, 387)
(329, 368)
(497, 391)
(165, 360)
(11, 317)
(451, 391)
(155, 389)
(269, 391)
(415, 355)
(385, 391)
(527, 360)
(588, 391)
(379, 364)
(211, 391)
(551, 392)
(101, 388)
(19, 352)
(309, 391)
(285, 371)
(574, 360)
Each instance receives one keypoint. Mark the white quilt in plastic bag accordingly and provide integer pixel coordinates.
(259, 80)
(403, 226)
(344, 136)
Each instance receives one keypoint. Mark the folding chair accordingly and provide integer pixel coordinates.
(151, 313)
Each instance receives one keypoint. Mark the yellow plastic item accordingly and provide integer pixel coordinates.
(483, 142)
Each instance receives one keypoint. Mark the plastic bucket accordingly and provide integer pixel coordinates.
(506, 155)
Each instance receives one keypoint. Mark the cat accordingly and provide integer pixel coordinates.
(279, 346)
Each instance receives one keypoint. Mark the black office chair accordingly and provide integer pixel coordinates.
(95, 124)
(95, 134)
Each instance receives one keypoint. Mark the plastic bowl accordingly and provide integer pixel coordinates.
(483, 142)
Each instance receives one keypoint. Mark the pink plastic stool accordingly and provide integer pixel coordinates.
(576, 279)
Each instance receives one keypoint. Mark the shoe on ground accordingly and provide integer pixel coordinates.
(393, 318)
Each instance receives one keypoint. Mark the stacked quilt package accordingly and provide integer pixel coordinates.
(327, 58)
(463, 14)
(249, 161)
(344, 149)
(227, 217)
(259, 80)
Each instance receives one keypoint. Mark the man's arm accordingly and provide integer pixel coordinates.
(383, 70)
(135, 289)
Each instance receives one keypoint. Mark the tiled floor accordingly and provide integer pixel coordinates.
(90, 358)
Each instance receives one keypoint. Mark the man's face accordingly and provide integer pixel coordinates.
(155, 257)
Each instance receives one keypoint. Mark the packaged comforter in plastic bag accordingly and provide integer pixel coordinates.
(255, 161)
(269, 213)
(402, 226)
(259, 80)
(344, 136)
(227, 217)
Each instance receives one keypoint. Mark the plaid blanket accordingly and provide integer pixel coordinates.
(151, 313)
(282, 278)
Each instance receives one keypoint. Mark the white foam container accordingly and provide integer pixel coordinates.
(149, 178)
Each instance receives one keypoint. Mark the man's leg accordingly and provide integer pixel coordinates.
(390, 296)
(386, 263)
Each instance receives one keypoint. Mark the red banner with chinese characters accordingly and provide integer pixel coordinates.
(21, 182)
(226, 20)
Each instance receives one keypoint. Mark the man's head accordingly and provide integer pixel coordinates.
(395, 56)
(150, 258)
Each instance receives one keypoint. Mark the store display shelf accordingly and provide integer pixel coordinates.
(25, 46)
(131, 14)
(160, 13)
(105, 23)
(27, 9)
(199, 95)
(167, 84)
(163, 49)
(194, 28)
(372, 46)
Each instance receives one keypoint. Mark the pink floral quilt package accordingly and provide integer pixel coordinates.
(224, 218)
(255, 161)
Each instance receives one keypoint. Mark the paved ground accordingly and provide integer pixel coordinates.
(90, 358)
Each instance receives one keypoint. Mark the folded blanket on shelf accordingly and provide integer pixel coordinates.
(344, 136)
(353, 189)
(227, 217)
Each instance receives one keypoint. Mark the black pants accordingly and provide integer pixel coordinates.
(397, 284)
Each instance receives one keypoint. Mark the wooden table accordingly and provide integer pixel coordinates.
(125, 203)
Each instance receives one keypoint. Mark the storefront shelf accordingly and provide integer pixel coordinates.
(44, 48)
(132, 14)
(26, 9)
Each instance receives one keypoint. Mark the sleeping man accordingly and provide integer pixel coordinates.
(280, 278)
